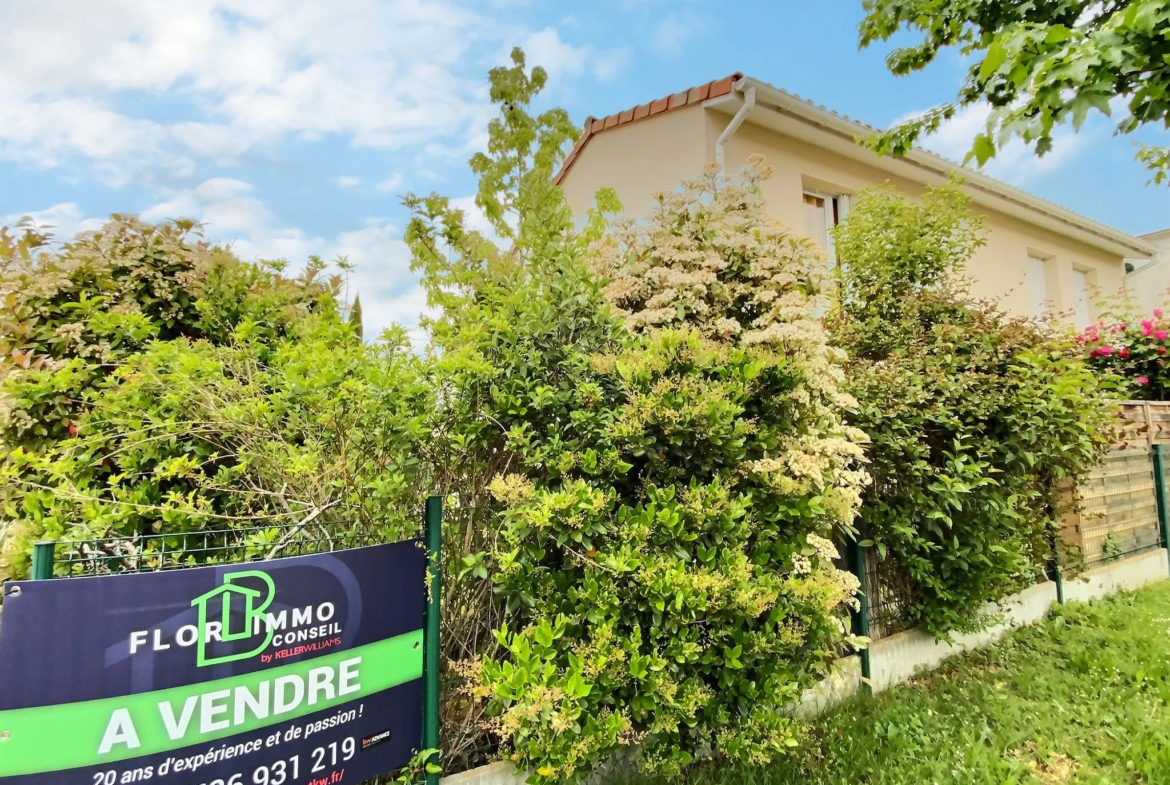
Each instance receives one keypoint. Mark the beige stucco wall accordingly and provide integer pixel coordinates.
(647, 156)
(639, 159)
(1149, 283)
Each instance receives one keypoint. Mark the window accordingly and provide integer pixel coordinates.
(816, 219)
(821, 213)
(1038, 277)
(1081, 290)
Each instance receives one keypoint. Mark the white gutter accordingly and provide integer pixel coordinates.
(798, 108)
(749, 103)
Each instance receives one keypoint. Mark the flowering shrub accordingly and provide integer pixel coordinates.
(665, 486)
(977, 419)
(1134, 349)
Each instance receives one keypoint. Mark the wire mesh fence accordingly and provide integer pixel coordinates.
(1118, 517)
(890, 594)
(154, 552)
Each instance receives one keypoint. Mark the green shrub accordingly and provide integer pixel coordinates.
(155, 384)
(509, 348)
(107, 294)
(189, 436)
(663, 493)
(978, 421)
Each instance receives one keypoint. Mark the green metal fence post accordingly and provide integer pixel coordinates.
(434, 539)
(1160, 492)
(1057, 573)
(42, 560)
(856, 558)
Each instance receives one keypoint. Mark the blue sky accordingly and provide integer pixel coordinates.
(292, 127)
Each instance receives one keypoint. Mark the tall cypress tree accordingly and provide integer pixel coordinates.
(355, 317)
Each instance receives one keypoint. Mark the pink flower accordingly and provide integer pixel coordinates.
(1143, 380)
(1123, 352)
(1147, 327)
(1160, 335)
(1158, 313)
(1105, 351)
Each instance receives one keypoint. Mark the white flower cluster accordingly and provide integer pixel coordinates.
(825, 548)
(709, 257)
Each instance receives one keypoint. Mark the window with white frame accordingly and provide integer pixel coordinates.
(1081, 290)
(1038, 280)
(821, 213)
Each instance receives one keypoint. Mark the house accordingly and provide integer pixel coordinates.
(1148, 281)
(1039, 255)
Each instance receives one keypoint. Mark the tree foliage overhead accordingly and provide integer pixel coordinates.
(1038, 64)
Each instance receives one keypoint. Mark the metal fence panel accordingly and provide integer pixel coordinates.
(171, 551)
(1119, 509)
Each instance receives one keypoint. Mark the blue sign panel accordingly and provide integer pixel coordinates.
(305, 670)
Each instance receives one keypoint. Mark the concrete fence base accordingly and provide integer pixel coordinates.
(900, 657)
(500, 773)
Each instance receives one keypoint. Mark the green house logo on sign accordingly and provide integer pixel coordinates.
(250, 603)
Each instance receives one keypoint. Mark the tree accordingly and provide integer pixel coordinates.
(355, 317)
(106, 295)
(154, 384)
(653, 481)
(978, 421)
(1038, 64)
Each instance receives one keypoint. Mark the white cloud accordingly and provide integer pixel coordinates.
(184, 204)
(562, 60)
(346, 181)
(219, 188)
(1015, 162)
(62, 220)
(211, 140)
(673, 32)
(382, 73)
(390, 183)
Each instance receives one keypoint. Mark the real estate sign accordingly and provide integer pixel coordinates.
(291, 671)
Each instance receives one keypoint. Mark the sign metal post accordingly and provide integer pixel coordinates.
(434, 540)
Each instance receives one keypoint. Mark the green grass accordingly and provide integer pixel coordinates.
(1083, 697)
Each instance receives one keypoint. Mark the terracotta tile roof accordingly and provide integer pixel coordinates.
(694, 95)
(854, 128)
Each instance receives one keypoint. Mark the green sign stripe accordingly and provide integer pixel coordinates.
(69, 735)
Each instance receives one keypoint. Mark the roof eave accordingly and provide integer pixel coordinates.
(1098, 234)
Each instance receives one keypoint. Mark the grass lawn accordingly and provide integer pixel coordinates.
(1081, 698)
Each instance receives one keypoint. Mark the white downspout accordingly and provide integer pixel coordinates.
(749, 103)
